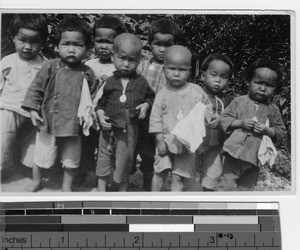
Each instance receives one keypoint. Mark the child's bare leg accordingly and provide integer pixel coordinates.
(69, 174)
(189, 184)
(123, 186)
(102, 182)
(177, 184)
(36, 179)
(158, 180)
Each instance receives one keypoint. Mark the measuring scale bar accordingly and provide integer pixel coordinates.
(140, 225)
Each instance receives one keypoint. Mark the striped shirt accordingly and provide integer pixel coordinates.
(154, 74)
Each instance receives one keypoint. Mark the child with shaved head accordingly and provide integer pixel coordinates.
(126, 98)
(172, 104)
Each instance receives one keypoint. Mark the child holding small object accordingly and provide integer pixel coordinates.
(126, 98)
(216, 71)
(172, 104)
(29, 32)
(54, 99)
(246, 121)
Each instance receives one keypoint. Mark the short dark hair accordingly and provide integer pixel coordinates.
(265, 63)
(220, 57)
(35, 22)
(109, 22)
(75, 23)
(164, 26)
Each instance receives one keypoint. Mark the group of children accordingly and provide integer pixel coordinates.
(119, 107)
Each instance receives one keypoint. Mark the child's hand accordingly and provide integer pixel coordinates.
(95, 124)
(161, 147)
(103, 119)
(104, 122)
(248, 123)
(214, 123)
(262, 129)
(142, 109)
(36, 120)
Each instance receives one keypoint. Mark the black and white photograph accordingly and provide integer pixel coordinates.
(152, 101)
(178, 112)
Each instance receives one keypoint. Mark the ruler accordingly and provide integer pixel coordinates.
(131, 225)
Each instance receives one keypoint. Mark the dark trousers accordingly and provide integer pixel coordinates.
(146, 149)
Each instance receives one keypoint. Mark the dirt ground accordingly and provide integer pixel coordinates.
(16, 179)
(19, 177)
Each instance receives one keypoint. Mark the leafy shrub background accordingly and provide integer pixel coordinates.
(244, 38)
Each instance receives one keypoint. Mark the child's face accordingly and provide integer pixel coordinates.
(216, 76)
(72, 48)
(177, 70)
(126, 59)
(159, 44)
(28, 43)
(104, 39)
(263, 84)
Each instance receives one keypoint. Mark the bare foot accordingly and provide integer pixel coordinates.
(33, 187)
(66, 189)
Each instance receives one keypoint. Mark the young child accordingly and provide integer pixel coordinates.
(105, 29)
(162, 34)
(126, 98)
(245, 120)
(173, 103)
(216, 71)
(53, 100)
(29, 32)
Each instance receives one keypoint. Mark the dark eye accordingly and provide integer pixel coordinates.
(183, 69)
(168, 44)
(272, 85)
(171, 68)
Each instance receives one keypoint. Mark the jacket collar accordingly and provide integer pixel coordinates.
(132, 76)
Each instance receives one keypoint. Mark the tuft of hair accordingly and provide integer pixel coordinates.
(219, 57)
(109, 22)
(75, 23)
(36, 22)
(164, 26)
(265, 63)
